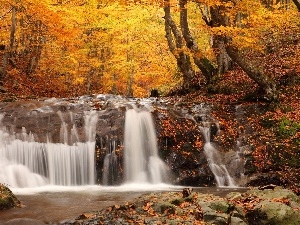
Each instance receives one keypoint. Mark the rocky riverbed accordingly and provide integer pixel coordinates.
(269, 205)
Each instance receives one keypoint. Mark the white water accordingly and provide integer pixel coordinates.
(215, 161)
(142, 163)
(27, 163)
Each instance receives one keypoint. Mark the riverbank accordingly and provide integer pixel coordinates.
(266, 205)
(56, 204)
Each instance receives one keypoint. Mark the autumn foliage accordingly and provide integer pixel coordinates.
(67, 48)
(61, 48)
(71, 48)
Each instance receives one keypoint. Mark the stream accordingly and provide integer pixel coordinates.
(52, 205)
(65, 158)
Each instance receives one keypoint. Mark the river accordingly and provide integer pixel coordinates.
(52, 205)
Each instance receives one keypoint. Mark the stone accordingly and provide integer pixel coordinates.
(7, 198)
(220, 206)
(212, 217)
(237, 221)
(277, 192)
(234, 196)
(273, 213)
(213, 211)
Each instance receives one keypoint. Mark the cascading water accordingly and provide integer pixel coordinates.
(27, 163)
(62, 146)
(110, 164)
(214, 158)
(142, 163)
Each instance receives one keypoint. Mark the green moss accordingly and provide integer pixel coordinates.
(220, 206)
(177, 201)
(7, 198)
(167, 208)
(287, 128)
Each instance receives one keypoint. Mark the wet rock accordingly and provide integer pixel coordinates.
(262, 179)
(7, 198)
(186, 192)
(214, 129)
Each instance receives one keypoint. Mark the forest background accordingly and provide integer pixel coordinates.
(60, 48)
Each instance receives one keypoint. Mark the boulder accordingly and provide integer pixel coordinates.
(7, 198)
(273, 213)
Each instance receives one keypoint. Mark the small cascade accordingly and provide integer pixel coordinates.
(25, 162)
(21, 161)
(142, 163)
(110, 164)
(215, 160)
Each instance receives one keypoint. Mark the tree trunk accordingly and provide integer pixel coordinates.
(114, 87)
(252, 66)
(3, 66)
(8, 51)
(203, 63)
(214, 18)
(13, 28)
(254, 70)
(177, 47)
(297, 3)
(224, 62)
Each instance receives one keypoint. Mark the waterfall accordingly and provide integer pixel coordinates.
(110, 165)
(142, 163)
(214, 159)
(25, 162)
(209, 127)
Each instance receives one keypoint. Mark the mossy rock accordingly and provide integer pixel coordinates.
(220, 206)
(164, 208)
(212, 217)
(273, 213)
(278, 192)
(7, 198)
(215, 209)
(237, 221)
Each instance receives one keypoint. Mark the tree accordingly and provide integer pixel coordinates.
(253, 67)
(66, 48)
(7, 48)
(234, 37)
(177, 46)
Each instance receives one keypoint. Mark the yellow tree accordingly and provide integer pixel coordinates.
(24, 39)
(140, 60)
(237, 28)
(63, 48)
